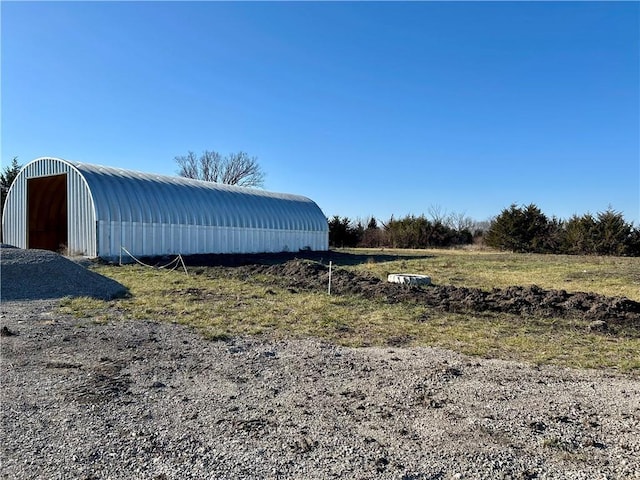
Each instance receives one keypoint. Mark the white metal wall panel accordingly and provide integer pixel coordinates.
(110, 208)
(14, 218)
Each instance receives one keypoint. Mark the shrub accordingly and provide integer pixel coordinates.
(611, 233)
(606, 234)
(520, 229)
(579, 235)
(343, 233)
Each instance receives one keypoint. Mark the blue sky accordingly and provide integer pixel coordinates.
(367, 108)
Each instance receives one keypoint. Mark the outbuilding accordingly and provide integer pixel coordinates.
(97, 211)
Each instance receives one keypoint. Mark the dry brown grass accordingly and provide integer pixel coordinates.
(611, 276)
(223, 305)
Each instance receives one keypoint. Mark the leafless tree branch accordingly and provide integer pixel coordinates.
(235, 169)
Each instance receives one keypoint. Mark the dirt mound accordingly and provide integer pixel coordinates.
(41, 274)
(519, 300)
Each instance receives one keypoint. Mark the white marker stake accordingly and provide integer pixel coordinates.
(329, 290)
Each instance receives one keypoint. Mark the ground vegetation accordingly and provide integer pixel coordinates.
(568, 310)
(520, 229)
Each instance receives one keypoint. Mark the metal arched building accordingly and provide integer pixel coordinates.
(95, 210)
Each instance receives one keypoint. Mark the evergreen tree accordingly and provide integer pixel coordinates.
(7, 177)
(520, 229)
(612, 233)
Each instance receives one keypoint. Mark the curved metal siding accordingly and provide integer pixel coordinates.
(122, 195)
(153, 214)
(80, 212)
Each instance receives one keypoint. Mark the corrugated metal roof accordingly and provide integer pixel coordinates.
(127, 195)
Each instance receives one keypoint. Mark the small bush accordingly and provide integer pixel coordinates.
(519, 229)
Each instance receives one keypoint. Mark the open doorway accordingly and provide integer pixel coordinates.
(47, 212)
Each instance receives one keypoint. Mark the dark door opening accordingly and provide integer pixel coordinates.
(47, 212)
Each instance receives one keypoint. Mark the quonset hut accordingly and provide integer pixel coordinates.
(93, 210)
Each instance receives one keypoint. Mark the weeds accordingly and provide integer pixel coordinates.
(222, 305)
(611, 276)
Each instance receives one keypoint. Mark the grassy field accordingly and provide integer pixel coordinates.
(222, 304)
(611, 276)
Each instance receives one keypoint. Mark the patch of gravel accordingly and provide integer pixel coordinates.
(40, 274)
(148, 400)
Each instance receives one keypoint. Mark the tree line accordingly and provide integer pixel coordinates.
(527, 229)
(522, 229)
(407, 232)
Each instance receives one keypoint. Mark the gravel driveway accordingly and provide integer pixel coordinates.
(149, 400)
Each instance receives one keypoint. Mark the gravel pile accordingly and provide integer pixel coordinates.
(40, 274)
(148, 400)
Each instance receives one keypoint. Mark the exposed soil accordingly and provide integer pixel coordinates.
(309, 271)
(615, 314)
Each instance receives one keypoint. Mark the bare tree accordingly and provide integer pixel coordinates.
(189, 165)
(437, 214)
(235, 169)
(243, 170)
(460, 222)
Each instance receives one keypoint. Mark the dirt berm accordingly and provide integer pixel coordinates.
(616, 313)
